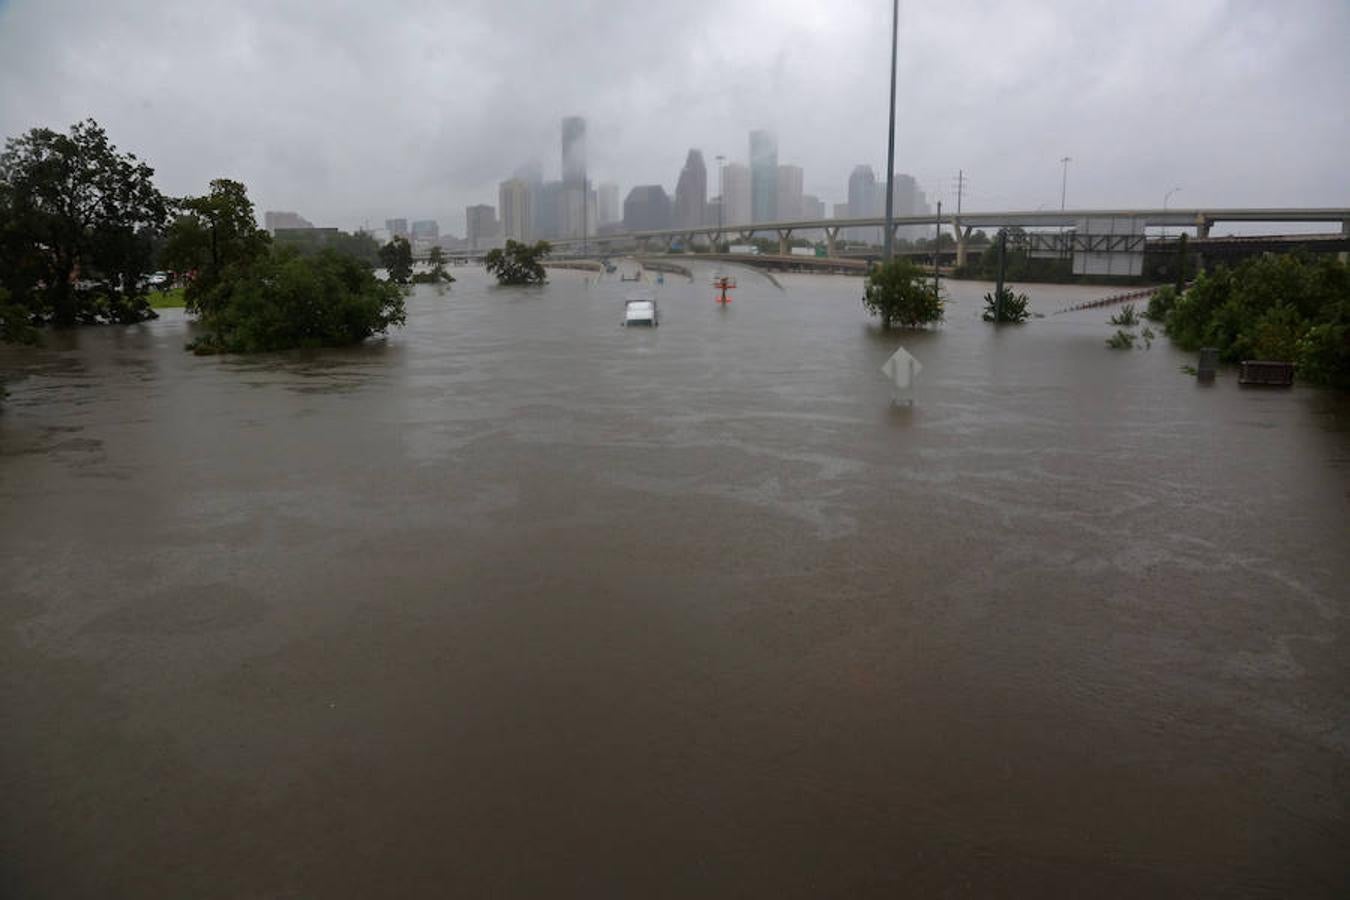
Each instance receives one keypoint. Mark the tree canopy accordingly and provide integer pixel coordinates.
(78, 221)
(900, 293)
(437, 274)
(1290, 307)
(284, 300)
(211, 234)
(519, 263)
(397, 259)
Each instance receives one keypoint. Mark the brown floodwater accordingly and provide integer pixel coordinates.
(517, 602)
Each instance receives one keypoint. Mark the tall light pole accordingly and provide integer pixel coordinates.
(1064, 181)
(1167, 196)
(721, 196)
(890, 141)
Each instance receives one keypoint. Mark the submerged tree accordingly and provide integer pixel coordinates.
(77, 221)
(437, 275)
(214, 236)
(287, 300)
(518, 263)
(397, 259)
(900, 293)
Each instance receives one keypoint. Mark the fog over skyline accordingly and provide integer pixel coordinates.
(352, 111)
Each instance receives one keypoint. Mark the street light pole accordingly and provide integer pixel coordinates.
(1064, 181)
(721, 196)
(1167, 196)
(890, 140)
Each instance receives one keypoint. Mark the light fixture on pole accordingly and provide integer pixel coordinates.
(1167, 196)
(890, 140)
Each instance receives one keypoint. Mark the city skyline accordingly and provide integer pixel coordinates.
(1236, 102)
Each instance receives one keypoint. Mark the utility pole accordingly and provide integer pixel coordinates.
(889, 243)
(585, 210)
(937, 246)
(1064, 181)
(960, 189)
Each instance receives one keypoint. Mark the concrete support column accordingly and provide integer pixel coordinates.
(784, 235)
(962, 239)
(1202, 226)
(831, 241)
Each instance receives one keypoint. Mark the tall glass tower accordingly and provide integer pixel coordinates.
(763, 176)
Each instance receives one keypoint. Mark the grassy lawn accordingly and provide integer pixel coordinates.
(169, 299)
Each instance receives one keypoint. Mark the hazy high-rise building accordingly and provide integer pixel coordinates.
(812, 207)
(480, 226)
(789, 193)
(691, 192)
(513, 199)
(840, 211)
(736, 194)
(647, 208)
(396, 228)
(274, 220)
(547, 210)
(909, 200)
(607, 203)
(573, 150)
(572, 212)
(863, 197)
(425, 230)
(763, 176)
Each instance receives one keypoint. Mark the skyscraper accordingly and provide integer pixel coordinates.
(396, 228)
(480, 226)
(573, 151)
(862, 202)
(736, 194)
(647, 208)
(691, 192)
(425, 232)
(812, 207)
(607, 203)
(513, 199)
(763, 176)
(573, 212)
(789, 193)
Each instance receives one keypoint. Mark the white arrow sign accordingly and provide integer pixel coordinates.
(902, 369)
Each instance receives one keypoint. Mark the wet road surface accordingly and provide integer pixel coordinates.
(520, 603)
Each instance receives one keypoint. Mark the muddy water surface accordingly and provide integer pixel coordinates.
(519, 603)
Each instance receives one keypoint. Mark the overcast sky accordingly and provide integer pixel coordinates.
(346, 111)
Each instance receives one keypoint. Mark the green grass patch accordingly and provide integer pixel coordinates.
(170, 299)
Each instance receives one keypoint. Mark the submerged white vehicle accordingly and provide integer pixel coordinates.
(640, 309)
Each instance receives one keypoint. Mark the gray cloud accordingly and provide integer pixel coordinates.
(346, 111)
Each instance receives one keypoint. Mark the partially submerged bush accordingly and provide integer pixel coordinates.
(285, 300)
(1005, 306)
(900, 293)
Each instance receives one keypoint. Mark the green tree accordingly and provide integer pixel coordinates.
(16, 322)
(285, 300)
(518, 263)
(1006, 306)
(1290, 307)
(901, 294)
(397, 259)
(213, 235)
(437, 275)
(74, 210)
